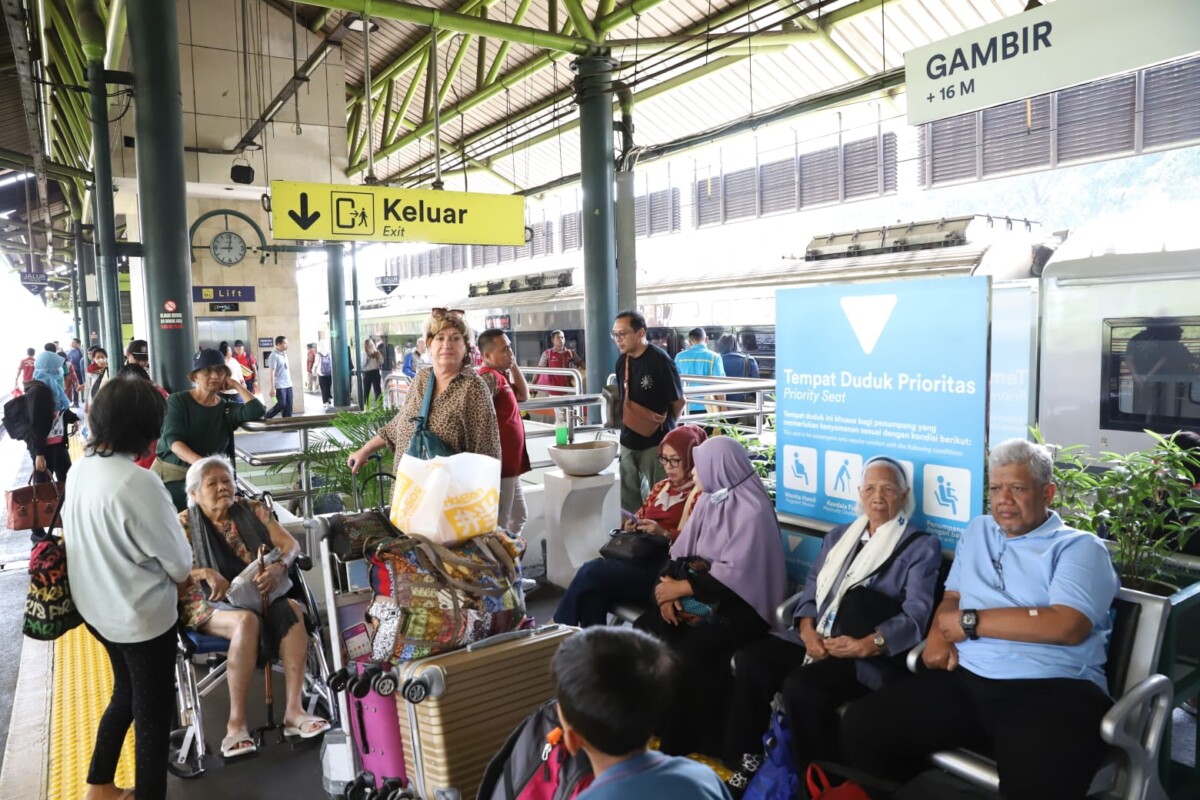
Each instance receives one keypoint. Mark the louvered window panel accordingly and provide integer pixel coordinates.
(1096, 119)
(952, 144)
(923, 156)
(1016, 136)
(664, 211)
(708, 201)
(423, 260)
(861, 168)
(891, 166)
(1171, 111)
(777, 186)
(819, 177)
(506, 253)
(547, 237)
(641, 217)
(741, 194)
(491, 254)
(460, 258)
(537, 245)
(571, 235)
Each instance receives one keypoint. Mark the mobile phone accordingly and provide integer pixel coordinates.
(628, 516)
(358, 642)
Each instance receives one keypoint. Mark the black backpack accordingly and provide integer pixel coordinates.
(534, 760)
(16, 418)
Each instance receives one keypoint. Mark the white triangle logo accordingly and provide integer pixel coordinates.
(868, 316)
(794, 541)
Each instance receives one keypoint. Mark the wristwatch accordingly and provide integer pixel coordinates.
(968, 619)
(880, 643)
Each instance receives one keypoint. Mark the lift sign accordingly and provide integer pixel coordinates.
(1061, 44)
(310, 211)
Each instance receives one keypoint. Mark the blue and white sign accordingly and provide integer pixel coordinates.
(897, 369)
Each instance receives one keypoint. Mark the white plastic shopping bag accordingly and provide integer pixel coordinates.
(448, 499)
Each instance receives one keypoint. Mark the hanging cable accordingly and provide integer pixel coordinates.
(368, 90)
(433, 90)
(296, 129)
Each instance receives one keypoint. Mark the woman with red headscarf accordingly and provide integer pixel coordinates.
(602, 583)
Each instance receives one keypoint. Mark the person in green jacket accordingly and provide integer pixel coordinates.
(201, 423)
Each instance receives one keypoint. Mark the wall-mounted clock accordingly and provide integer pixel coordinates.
(228, 248)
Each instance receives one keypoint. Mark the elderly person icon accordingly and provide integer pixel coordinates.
(226, 533)
(817, 666)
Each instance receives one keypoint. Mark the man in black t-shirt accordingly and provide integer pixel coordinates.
(653, 383)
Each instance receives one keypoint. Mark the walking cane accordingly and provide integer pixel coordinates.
(262, 551)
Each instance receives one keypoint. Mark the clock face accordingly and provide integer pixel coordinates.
(228, 248)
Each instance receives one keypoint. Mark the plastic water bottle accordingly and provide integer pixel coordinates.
(561, 433)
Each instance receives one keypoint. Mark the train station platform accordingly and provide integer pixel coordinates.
(52, 695)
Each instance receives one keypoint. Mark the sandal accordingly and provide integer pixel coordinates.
(126, 794)
(239, 744)
(306, 728)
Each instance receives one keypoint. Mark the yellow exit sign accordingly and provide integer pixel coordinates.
(384, 214)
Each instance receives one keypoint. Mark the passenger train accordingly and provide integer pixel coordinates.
(1077, 301)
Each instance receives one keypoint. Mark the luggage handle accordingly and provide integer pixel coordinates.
(509, 636)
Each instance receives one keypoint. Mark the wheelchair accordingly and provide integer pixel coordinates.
(189, 753)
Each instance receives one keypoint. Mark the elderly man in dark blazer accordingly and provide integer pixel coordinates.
(817, 665)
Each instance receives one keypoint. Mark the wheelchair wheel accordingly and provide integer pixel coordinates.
(191, 766)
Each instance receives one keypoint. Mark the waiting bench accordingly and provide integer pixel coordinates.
(1133, 727)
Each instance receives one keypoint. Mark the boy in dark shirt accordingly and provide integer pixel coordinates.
(610, 687)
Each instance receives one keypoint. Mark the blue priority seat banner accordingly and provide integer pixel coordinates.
(897, 369)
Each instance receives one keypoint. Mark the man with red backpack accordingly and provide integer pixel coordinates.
(558, 357)
(249, 365)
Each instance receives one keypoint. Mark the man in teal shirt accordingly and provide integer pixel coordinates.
(699, 360)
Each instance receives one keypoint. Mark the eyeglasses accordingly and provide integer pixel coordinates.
(672, 462)
(619, 335)
(442, 313)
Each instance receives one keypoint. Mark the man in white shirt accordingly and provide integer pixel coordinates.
(279, 379)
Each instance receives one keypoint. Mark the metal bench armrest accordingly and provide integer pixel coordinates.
(1135, 725)
(913, 659)
(785, 612)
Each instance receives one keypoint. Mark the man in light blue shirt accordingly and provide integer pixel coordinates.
(1016, 652)
(610, 687)
(699, 360)
(281, 378)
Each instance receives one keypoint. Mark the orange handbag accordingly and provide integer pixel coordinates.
(32, 506)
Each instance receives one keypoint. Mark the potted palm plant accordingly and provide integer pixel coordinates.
(1143, 503)
(328, 450)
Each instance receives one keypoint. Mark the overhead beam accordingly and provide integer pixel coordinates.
(580, 18)
(409, 94)
(502, 53)
(455, 66)
(623, 48)
(461, 23)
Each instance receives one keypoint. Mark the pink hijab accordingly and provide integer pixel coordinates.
(733, 525)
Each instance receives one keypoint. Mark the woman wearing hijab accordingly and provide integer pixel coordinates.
(602, 583)
(816, 671)
(49, 414)
(718, 593)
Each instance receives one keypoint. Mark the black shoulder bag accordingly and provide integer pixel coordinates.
(863, 609)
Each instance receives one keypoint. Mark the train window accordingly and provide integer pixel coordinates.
(1150, 376)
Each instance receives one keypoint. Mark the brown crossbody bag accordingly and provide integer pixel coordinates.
(636, 416)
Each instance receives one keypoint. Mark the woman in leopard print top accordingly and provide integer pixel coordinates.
(461, 415)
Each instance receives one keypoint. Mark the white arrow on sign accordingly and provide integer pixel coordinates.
(868, 315)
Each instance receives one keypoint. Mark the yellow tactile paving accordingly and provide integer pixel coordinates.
(82, 687)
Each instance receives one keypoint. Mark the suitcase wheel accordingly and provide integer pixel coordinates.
(362, 787)
(394, 789)
(385, 683)
(415, 690)
(360, 687)
(339, 680)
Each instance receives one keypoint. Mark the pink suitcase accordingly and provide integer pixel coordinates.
(375, 724)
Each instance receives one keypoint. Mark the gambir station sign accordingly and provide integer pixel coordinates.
(1061, 44)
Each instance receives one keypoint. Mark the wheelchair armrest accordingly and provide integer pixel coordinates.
(913, 660)
(786, 611)
(1147, 705)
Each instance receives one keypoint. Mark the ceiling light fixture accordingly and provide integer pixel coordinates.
(355, 23)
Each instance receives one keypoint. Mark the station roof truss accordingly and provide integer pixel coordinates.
(698, 70)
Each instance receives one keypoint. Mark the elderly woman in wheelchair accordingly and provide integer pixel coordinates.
(227, 534)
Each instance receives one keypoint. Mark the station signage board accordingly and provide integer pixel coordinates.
(223, 306)
(35, 282)
(209, 294)
(266, 341)
(901, 371)
(1061, 44)
(309, 211)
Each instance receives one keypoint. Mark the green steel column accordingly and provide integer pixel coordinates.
(336, 275)
(162, 189)
(106, 227)
(358, 341)
(91, 309)
(77, 283)
(594, 91)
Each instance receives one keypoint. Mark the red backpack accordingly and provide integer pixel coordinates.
(534, 764)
